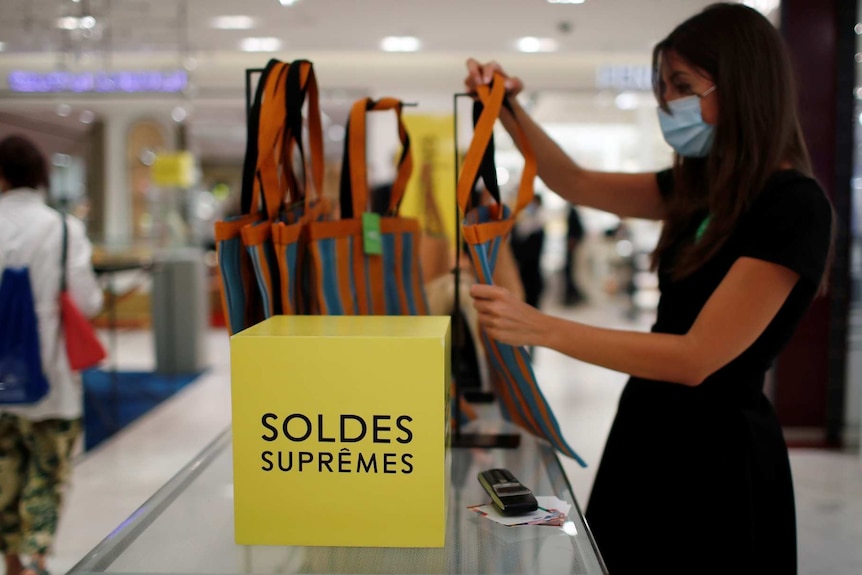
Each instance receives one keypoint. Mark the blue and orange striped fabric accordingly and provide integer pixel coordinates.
(351, 282)
(240, 295)
(485, 228)
(258, 241)
(346, 280)
(261, 251)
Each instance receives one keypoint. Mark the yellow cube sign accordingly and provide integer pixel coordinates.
(340, 431)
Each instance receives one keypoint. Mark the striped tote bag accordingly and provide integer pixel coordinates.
(367, 262)
(241, 299)
(485, 228)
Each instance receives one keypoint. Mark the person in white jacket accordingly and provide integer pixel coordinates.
(36, 441)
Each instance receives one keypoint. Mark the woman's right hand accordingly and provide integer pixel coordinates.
(481, 74)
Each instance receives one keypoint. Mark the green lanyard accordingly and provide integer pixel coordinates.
(701, 229)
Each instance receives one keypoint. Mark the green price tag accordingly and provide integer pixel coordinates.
(371, 241)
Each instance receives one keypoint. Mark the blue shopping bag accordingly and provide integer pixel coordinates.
(21, 376)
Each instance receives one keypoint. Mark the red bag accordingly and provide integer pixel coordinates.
(83, 348)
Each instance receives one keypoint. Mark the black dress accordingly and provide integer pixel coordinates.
(697, 479)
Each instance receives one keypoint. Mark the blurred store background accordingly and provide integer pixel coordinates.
(140, 106)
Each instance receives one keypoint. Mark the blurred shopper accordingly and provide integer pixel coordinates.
(695, 465)
(572, 294)
(528, 239)
(36, 441)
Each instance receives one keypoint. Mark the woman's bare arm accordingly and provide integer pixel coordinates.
(627, 195)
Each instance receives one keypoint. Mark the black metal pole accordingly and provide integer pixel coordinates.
(486, 440)
(248, 98)
(456, 312)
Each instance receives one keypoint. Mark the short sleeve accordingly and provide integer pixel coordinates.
(664, 179)
(791, 225)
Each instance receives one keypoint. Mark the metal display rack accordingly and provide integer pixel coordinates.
(459, 437)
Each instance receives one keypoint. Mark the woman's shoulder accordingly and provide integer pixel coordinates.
(793, 194)
(790, 223)
(795, 184)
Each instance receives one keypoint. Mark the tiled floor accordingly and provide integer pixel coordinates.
(111, 482)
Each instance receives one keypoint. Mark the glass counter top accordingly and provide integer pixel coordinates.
(187, 528)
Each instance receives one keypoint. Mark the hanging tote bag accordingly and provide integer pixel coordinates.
(305, 201)
(21, 378)
(367, 263)
(241, 300)
(272, 180)
(485, 228)
(83, 348)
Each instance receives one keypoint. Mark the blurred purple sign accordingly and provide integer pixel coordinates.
(130, 82)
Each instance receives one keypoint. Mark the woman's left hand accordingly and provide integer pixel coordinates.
(507, 319)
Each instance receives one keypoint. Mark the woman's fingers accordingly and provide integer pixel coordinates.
(479, 74)
(474, 73)
(488, 71)
(482, 292)
(514, 86)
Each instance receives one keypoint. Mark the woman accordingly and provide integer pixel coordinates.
(695, 475)
(36, 441)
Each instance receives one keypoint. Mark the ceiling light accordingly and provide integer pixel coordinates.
(73, 23)
(288, 2)
(240, 22)
(858, 29)
(61, 160)
(87, 117)
(627, 100)
(178, 114)
(533, 44)
(63, 110)
(566, 1)
(762, 6)
(260, 44)
(400, 44)
(67, 23)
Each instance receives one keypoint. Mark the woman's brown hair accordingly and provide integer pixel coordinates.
(758, 127)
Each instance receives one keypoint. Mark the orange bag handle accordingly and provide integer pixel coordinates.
(354, 190)
(271, 180)
(492, 98)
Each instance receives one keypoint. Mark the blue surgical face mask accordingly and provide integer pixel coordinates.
(684, 129)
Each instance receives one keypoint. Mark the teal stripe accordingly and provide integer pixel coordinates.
(292, 251)
(261, 287)
(274, 289)
(368, 295)
(230, 264)
(493, 252)
(482, 254)
(407, 264)
(393, 302)
(330, 277)
(352, 278)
